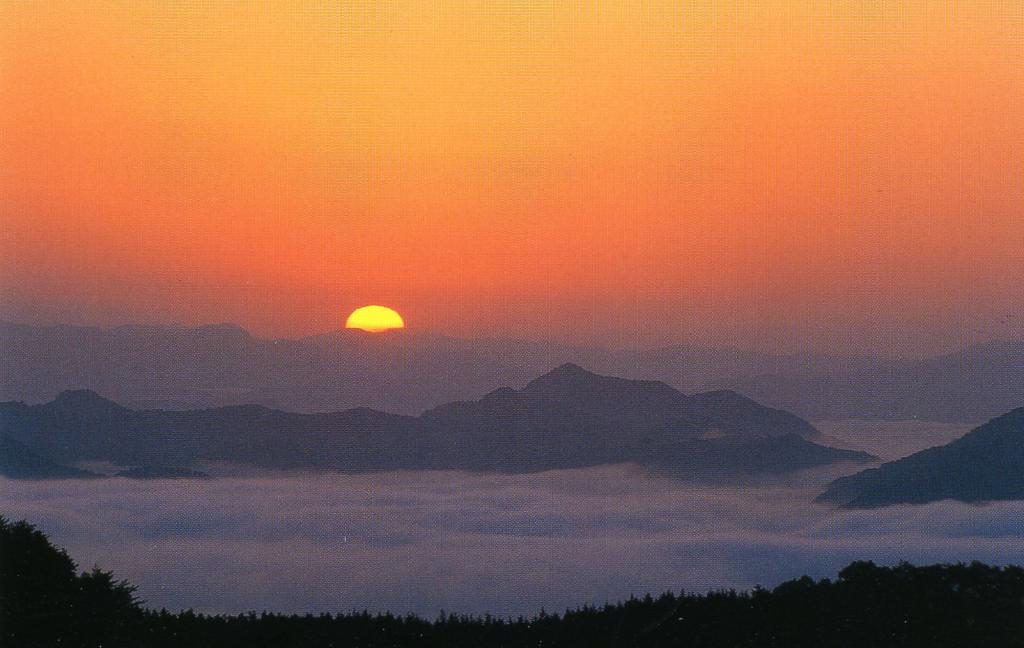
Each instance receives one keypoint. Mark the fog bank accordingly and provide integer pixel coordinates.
(425, 541)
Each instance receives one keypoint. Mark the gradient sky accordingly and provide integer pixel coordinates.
(780, 174)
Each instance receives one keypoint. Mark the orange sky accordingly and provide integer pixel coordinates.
(796, 173)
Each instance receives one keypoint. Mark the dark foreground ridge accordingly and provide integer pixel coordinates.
(45, 602)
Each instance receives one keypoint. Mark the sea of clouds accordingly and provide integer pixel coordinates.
(507, 544)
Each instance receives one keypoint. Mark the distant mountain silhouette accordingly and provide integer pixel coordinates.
(566, 418)
(82, 425)
(17, 461)
(975, 384)
(571, 384)
(171, 367)
(985, 464)
(168, 367)
(571, 417)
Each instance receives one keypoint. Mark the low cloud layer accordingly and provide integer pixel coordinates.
(425, 541)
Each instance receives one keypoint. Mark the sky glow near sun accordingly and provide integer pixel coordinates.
(614, 172)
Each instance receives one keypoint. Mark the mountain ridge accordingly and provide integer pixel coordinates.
(182, 368)
(986, 464)
(507, 430)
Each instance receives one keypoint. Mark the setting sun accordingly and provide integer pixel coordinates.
(374, 319)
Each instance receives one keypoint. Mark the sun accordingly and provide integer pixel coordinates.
(375, 319)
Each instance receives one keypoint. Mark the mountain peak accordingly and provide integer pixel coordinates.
(84, 399)
(224, 328)
(563, 376)
(570, 369)
(571, 382)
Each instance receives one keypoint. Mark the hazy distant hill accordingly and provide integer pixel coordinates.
(567, 418)
(185, 368)
(986, 464)
(971, 385)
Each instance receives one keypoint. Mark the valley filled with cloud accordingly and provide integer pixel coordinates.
(505, 544)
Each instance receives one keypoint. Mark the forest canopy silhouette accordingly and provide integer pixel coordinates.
(46, 601)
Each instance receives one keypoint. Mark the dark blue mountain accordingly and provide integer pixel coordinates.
(566, 418)
(984, 465)
(18, 461)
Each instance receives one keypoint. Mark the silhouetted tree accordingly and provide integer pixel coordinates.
(45, 602)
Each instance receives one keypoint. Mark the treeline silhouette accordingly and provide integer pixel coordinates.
(45, 602)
